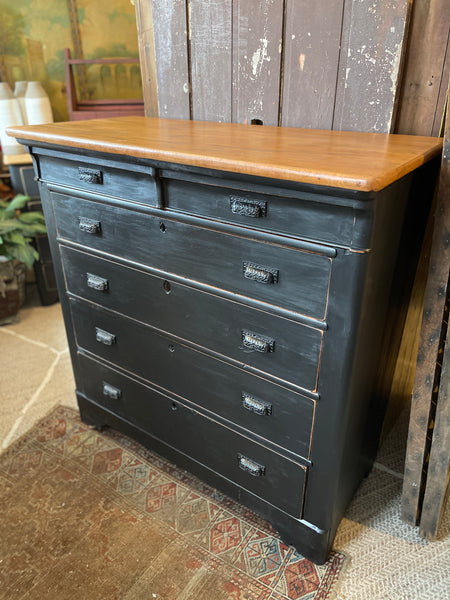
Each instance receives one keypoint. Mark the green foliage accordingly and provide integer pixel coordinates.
(12, 25)
(116, 50)
(17, 230)
(56, 67)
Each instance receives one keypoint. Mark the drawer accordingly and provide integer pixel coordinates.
(136, 185)
(318, 217)
(269, 272)
(250, 465)
(285, 349)
(267, 409)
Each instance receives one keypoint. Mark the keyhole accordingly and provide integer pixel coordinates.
(174, 406)
(167, 287)
(171, 348)
(162, 227)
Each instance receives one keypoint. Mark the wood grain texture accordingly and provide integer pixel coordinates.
(426, 70)
(146, 41)
(172, 61)
(369, 67)
(426, 382)
(257, 33)
(437, 486)
(353, 160)
(311, 57)
(210, 36)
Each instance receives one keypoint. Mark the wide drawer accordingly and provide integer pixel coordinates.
(269, 272)
(250, 465)
(134, 185)
(317, 217)
(285, 349)
(268, 410)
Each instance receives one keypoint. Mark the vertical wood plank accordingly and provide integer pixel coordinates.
(421, 104)
(144, 23)
(211, 58)
(171, 57)
(257, 34)
(425, 391)
(311, 55)
(445, 79)
(372, 47)
(438, 476)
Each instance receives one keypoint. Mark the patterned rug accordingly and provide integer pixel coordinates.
(97, 516)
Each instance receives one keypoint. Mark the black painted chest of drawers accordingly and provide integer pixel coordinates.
(229, 316)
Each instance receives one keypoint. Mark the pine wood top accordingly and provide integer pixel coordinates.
(352, 160)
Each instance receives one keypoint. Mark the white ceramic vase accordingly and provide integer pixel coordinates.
(37, 104)
(10, 115)
(20, 89)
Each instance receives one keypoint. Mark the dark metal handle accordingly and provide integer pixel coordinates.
(111, 391)
(248, 208)
(96, 283)
(90, 175)
(260, 274)
(104, 337)
(89, 225)
(259, 407)
(250, 466)
(260, 343)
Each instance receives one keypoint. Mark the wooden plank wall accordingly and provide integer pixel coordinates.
(427, 69)
(327, 64)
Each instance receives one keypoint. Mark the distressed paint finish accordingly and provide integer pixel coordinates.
(426, 70)
(311, 55)
(257, 34)
(369, 68)
(170, 30)
(210, 37)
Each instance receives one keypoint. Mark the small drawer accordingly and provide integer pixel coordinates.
(235, 457)
(249, 402)
(269, 272)
(317, 217)
(283, 348)
(119, 182)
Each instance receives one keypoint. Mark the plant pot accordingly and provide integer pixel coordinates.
(9, 292)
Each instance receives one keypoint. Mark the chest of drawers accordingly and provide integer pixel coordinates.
(225, 291)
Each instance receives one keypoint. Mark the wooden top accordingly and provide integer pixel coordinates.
(352, 160)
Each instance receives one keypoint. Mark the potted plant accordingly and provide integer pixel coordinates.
(17, 229)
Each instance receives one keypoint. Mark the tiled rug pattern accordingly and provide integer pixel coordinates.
(95, 515)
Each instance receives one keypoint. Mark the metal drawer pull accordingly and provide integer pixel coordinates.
(96, 283)
(104, 337)
(90, 175)
(111, 391)
(89, 225)
(260, 274)
(250, 466)
(248, 208)
(257, 342)
(259, 407)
